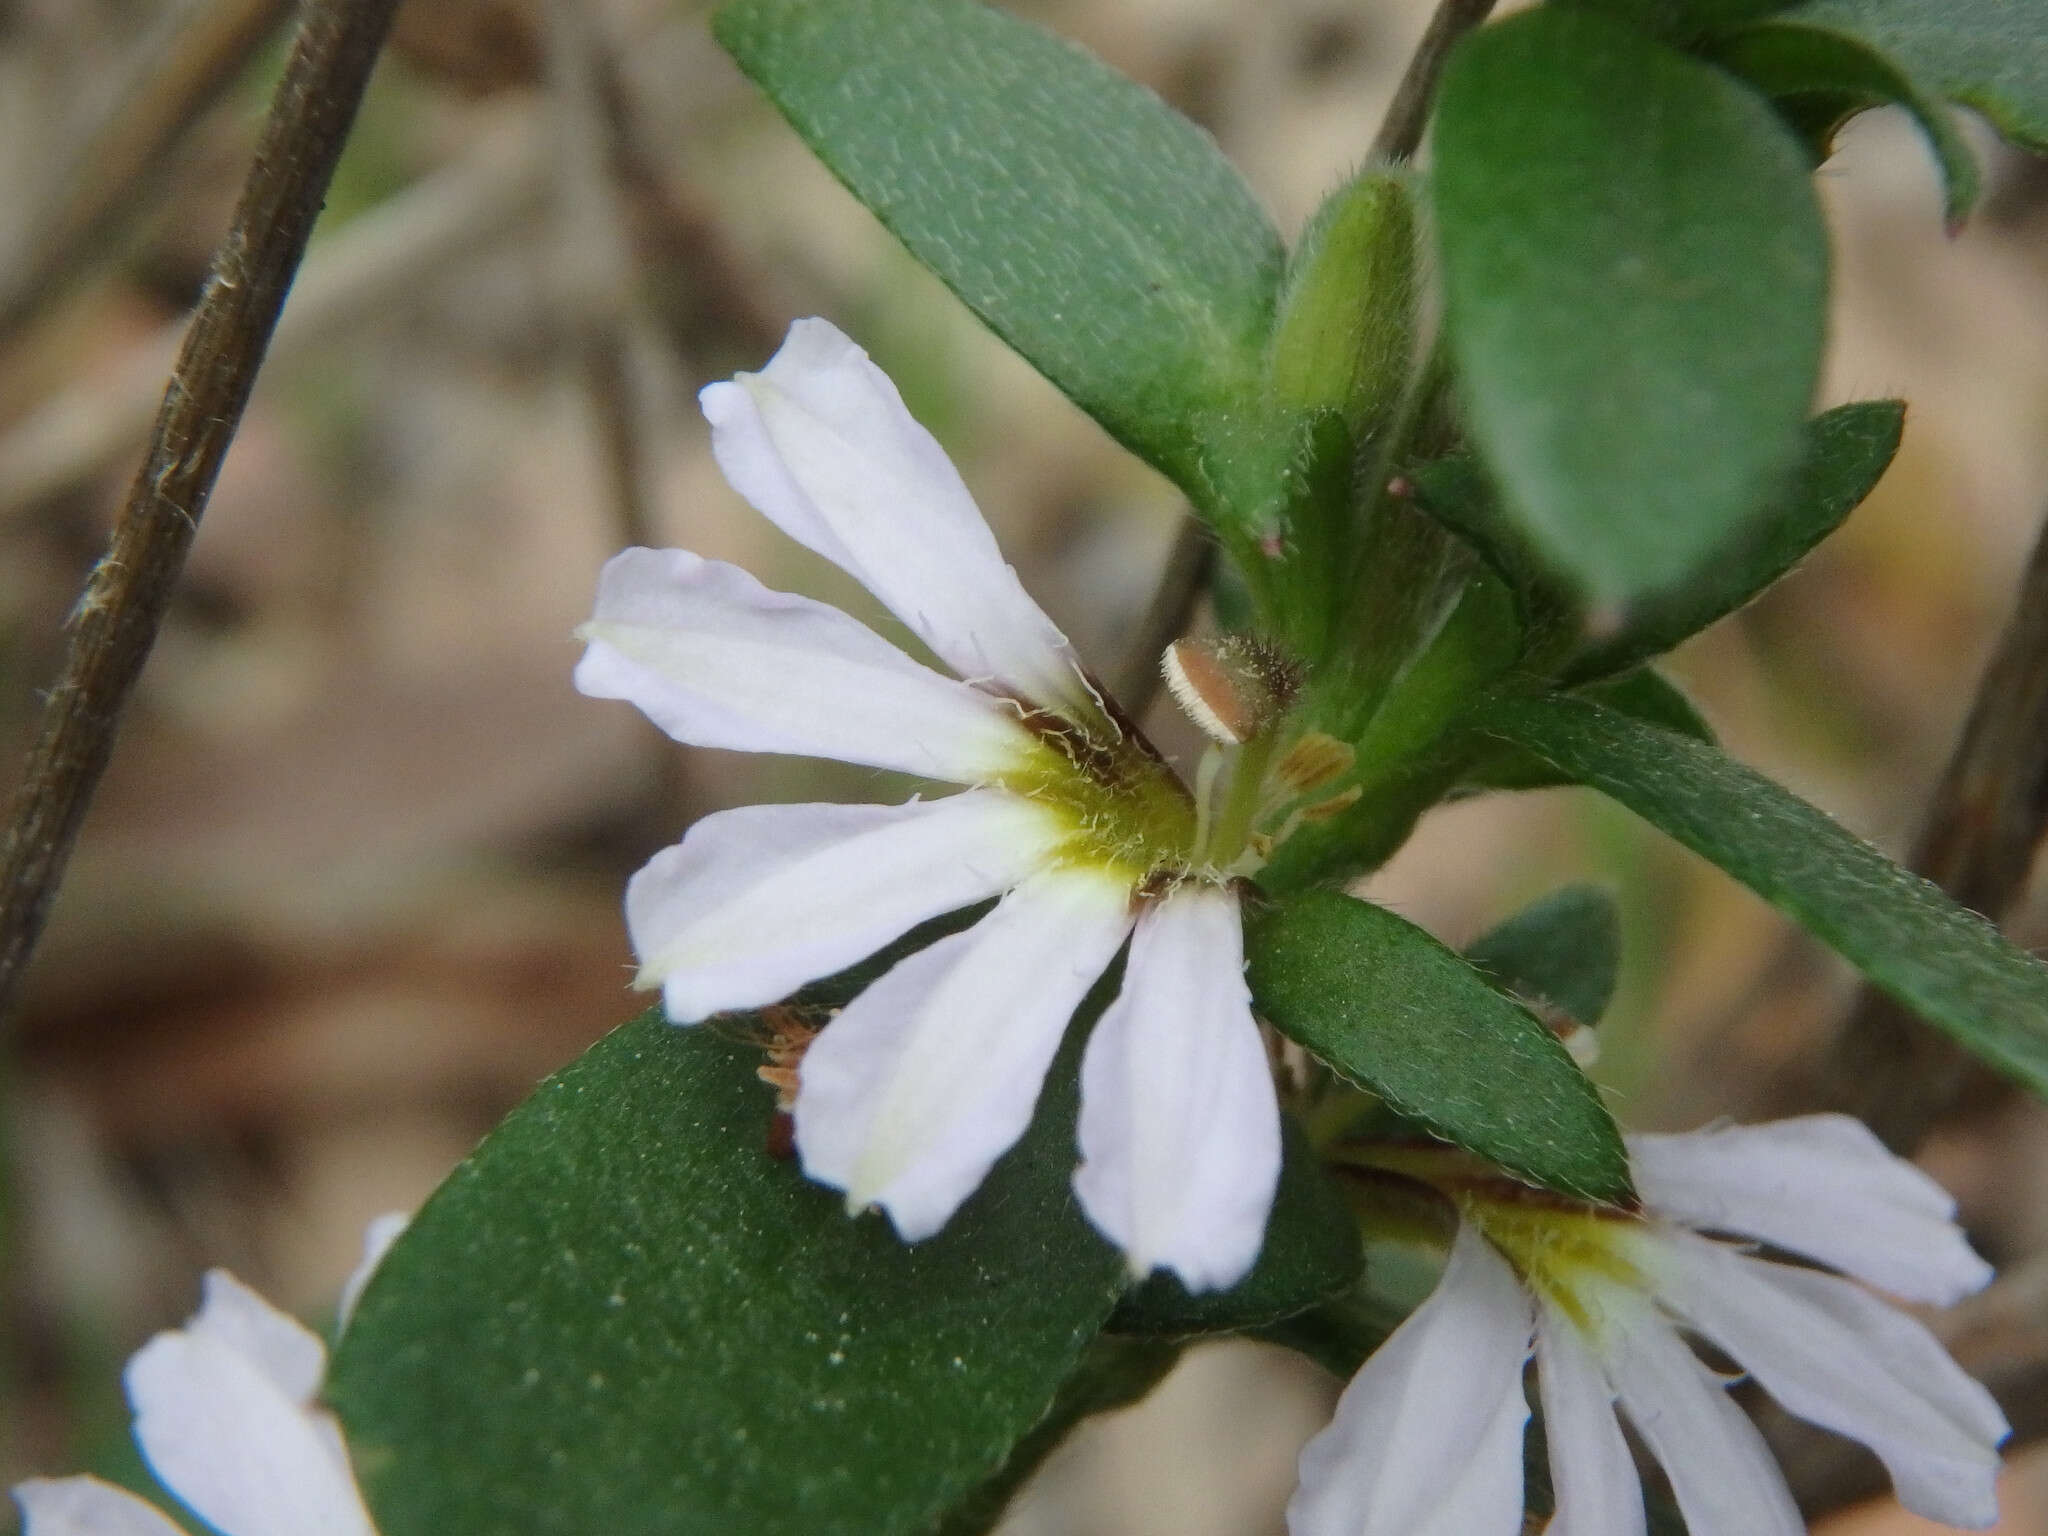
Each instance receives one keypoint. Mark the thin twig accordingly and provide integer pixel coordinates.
(1986, 820)
(374, 264)
(689, 276)
(169, 80)
(117, 616)
(593, 268)
(1407, 116)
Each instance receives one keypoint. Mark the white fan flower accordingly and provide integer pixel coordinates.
(228, 1418)
(1066, 813)
(1427, 1439)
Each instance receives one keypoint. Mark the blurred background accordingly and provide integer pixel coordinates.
(351, 886)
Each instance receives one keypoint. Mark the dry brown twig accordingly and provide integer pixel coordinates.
(117, 616)
(170, 78)
(594, 261)
(1983, 826)
(375, 263)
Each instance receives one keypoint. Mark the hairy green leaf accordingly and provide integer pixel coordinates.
(1988, 54)
(1945, 963)
(1788, 60)
(623, 1315)
(1635, 276)
(1642, 694)
(1564, 950)
(1096, 230)
(1397, 1013)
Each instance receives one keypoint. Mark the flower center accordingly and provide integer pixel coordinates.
(1127, 809)
(1583, 1261)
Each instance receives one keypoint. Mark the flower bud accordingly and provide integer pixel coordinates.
(1345, 336)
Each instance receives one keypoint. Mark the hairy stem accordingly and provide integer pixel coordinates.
(1187, 568)
(118, 614)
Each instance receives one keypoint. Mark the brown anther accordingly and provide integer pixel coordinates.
(1336, 805)
(788, 1036)
(1313, 761)
(1234, 688)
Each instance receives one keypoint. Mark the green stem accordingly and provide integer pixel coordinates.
(1233, 828)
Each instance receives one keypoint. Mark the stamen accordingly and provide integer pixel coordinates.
(1206, 774)
(1312, 762)
(1207, 693)
(1235, 687)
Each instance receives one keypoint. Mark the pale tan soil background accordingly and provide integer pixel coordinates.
(351, 886)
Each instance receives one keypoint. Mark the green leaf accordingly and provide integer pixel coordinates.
(1311, 1253)
(1847, 452)
(1788, 60)
(1457, 491)
(1635, 279)
(1097, 231)
(1397, 1013)
(1987, 54)
(1681, 21)
(1946, 964)
(1646, 694)
(1643, 694)
(622, 1315)
(1564, 950)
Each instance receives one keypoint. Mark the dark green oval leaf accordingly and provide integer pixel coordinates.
(1847, 452)
(1945, 963)
(1396, 1012)
(1635, 276)
(622, 1315)
(1564, 950)
(1096, 230)
(1312, 1252)
(1988, 54)
(1789, 61)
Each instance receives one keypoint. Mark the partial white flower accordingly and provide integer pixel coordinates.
(1604, 1300)
(226, 1415)
(1066, 814)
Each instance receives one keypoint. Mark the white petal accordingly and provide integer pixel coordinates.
(280, 1346)
(1180, 1128)
(1592, 1475)
(911, 1094)
(1427, 1439)
(378, 1237)
(820, 442)
(718, 660)
(1818, 1185)
(243, 1454)
(757, 901)
(1831, 1352)
(1720, 1469)
(85, 1506)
